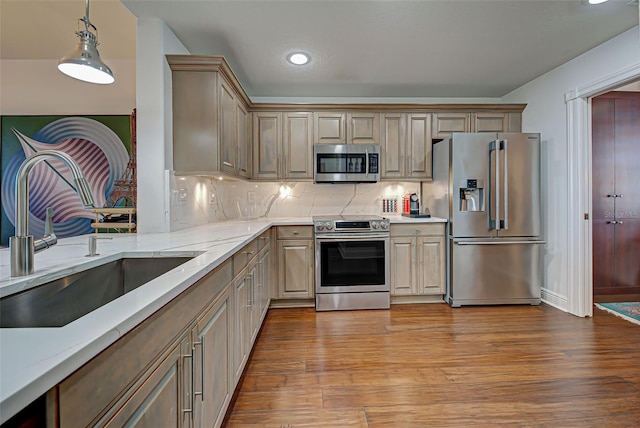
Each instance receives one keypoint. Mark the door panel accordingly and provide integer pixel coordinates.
(604, 270)
(521, 155)
(603, 159)
(470, 160)
(627, 254)
(498, 273)
(627, 157)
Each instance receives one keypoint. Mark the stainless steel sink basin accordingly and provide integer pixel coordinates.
(64, 300)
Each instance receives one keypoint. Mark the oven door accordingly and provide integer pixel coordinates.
(352, 264)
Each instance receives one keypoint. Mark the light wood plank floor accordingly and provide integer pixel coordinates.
(431, 365)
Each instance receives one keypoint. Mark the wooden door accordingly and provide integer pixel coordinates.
(363, 128)
(228, 129)
(393, 142)
(297, 142)
(266, 145)
(616, 205)
(329, 128)
(419, 146)
(244, 141)
(402, 265)
(212, 356)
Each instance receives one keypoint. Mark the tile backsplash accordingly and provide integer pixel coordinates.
(199, 200)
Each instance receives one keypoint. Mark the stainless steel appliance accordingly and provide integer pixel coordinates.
(488, 186)
(352, 262)
(346, 163)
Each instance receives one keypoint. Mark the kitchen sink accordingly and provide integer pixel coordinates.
(59, 302)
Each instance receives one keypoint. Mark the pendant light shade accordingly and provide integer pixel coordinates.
(85, 63)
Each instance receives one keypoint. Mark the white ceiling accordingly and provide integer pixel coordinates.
(360, 48)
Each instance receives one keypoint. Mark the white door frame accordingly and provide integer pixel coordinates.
(580, 239)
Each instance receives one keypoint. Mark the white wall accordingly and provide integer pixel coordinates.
(36, 87)
(546, 113)
(154, 41)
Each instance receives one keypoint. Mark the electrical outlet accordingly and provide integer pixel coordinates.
(251, 198)
(179, 197)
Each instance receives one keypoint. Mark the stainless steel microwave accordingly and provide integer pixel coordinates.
(346, 163)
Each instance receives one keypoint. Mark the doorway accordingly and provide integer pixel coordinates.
(615, 119)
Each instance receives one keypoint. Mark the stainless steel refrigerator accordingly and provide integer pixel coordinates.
(488, 186)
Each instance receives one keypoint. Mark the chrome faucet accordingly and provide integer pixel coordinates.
(22, 246)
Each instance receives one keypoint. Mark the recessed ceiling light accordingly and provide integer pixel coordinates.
(298, 58)
(597, 1)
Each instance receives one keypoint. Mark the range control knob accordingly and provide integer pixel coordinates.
(319, 226)
(384, 224)
(329, 225)
(375, 225)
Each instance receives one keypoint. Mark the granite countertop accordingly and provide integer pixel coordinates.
(32, 360)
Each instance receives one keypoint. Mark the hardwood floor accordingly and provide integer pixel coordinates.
(431, 365)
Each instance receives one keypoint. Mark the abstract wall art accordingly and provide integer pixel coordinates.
(100, 146)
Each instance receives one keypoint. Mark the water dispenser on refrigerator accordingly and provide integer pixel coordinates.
(471, 195)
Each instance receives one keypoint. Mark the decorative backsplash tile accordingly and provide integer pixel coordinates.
(201, 200)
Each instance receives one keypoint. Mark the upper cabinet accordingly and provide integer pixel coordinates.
(218, 130)
(346, 128)
(446, 123)
(406, 146)
(329, 128)
(282, 145)
(210, 118)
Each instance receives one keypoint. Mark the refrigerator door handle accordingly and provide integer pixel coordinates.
(505, 222)
(494, 188)
(498, 242)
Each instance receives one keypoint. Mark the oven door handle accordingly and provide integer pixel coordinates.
(351, 237)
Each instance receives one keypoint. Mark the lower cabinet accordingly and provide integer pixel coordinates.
(296, 258)
(212, 382)
(417, 259)
(179, 367)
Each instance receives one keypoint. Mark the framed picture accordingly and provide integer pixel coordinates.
(100, 146)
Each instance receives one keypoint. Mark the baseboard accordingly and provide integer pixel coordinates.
(554, 299)
(402, 300)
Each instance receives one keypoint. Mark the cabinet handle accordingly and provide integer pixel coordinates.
(295, 232)
(201, 393)
(191, 398)
(612, 222)
(619, 221)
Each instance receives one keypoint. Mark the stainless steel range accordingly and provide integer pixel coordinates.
(352, 262)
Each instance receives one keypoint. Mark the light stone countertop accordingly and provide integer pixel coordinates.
(32, 360)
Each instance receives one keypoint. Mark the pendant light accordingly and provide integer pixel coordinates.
(85, 63)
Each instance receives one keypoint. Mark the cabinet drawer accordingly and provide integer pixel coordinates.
(417, 229)
(264, 239)
(241, 258)
(295, 232)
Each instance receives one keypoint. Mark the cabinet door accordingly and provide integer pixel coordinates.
(402, 253)
(295, 261)
(244, 142)
(266, 144)
(212, 375)
(393, 142)
(490, 122)
(431, 271)
(419, 146)
(195, 121)
(446, 123)
(329, 128)
(298, 145)
(262, 285)
(363, 128)
(242, 324)
(228, 142)
(158, 401)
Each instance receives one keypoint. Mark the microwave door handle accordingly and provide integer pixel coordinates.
(505, 191)
(366, 161)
